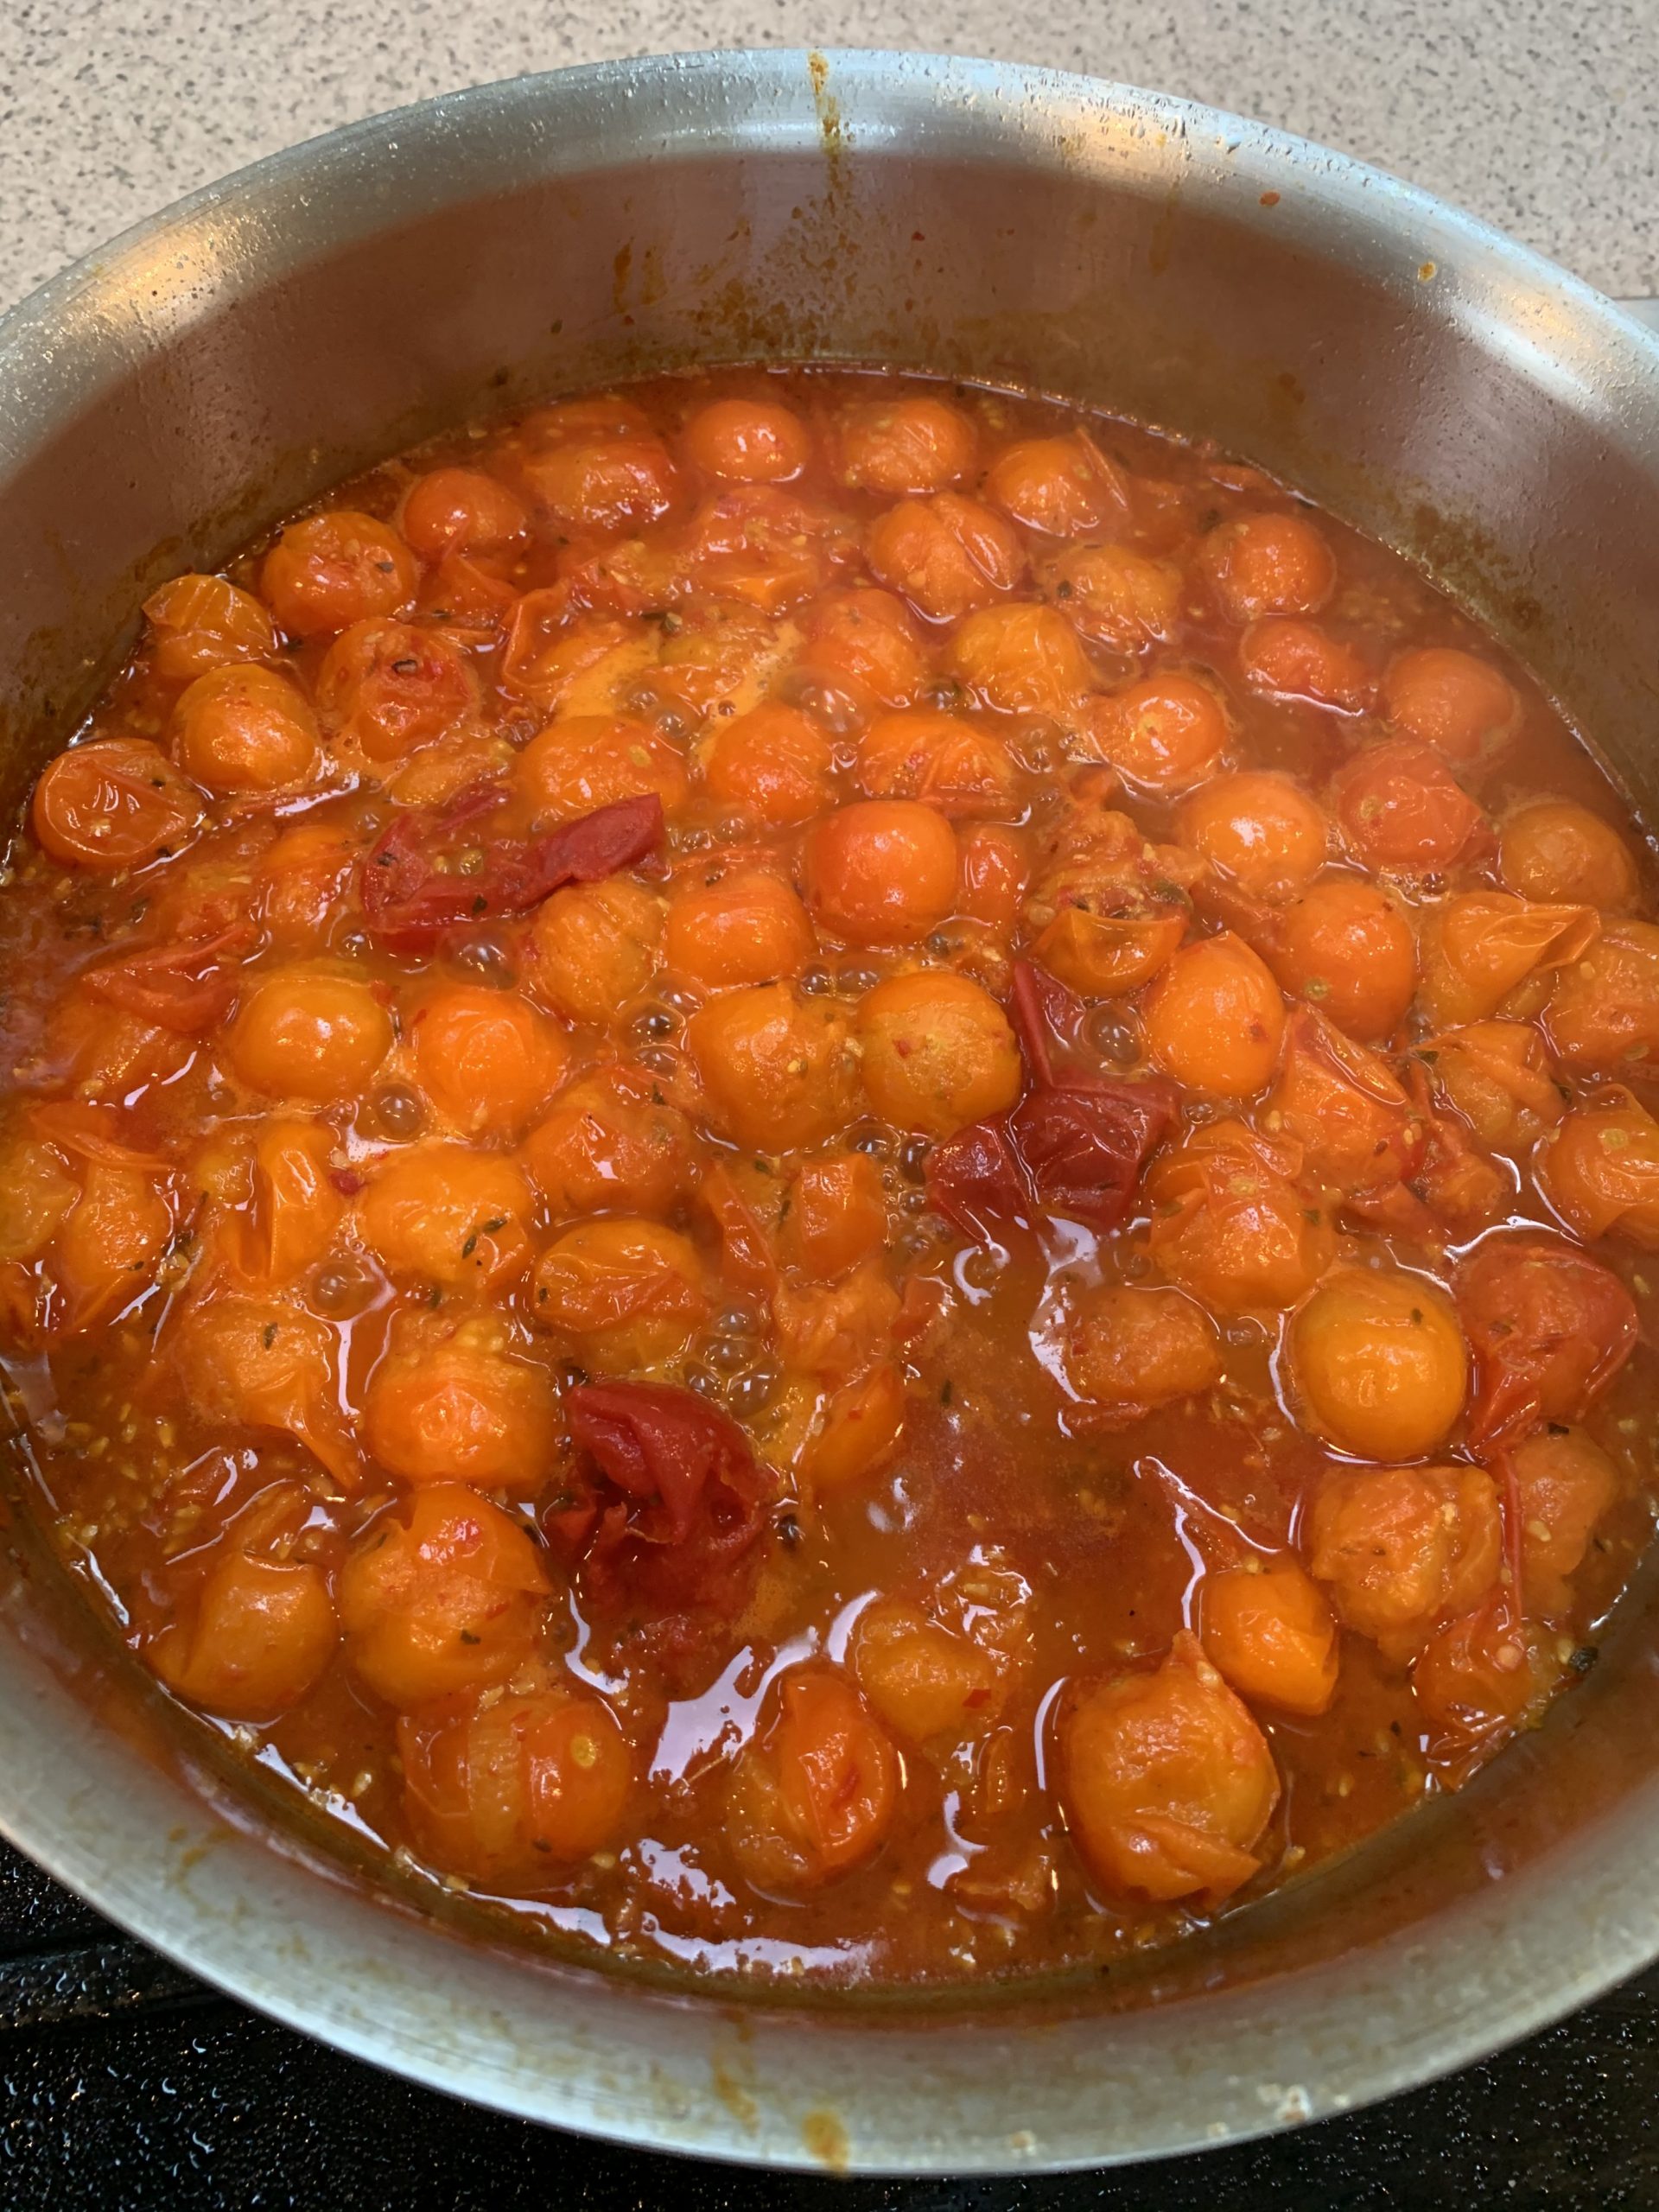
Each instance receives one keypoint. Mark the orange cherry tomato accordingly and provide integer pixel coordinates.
(880, 871)
(962, 767)
(747, 442)
(1117, 598)
(1214, 1019)
(1401, 809)
(1292, 659)
(304, 884)
(1565, 1485)
(295, 1210)
(778, 1070)
(593, 760)
(615, 478)
(1063, 487)
(749, 927)
(862, 1425)
(115, 804)
(1461, 705)
(1271, 1635)
(441, 1213)
(1379, 1361)
(595, 946)
(994, 868)
(447, 1595)
(1344, 1107)
(389, 688)
(946, 555)
(894, 445)
(1602, 1015)
(772, 764)
(864, 640)
(198, 623)
(927, 1683)
(457, 1402)
(1498, 1076)
(1168, 1783)
(462, 511)
(1021, 659)
(1348, 948)
(512, 1791)
(1558, 852)
(938, 1052)
(264, 1363)
(1230, 1227)
(837, 1215)
(1269, 564)
(1262, 829)
(242, 729)
(628, 1293)
(486, 1060)
(260, 1635)
(333, 570)
(1128, 1349)
(1599, 1169)
(1484, 944)
(603, 1144)
(1164, 733)
(1400, 1549)
(815, 1794)
(308, 1032)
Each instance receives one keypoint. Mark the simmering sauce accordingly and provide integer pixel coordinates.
(833, 1175)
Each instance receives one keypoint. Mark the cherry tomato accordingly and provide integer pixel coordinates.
(1401, 809)
(1292, 659)
(994, 867)
(1063, 487)
(747, 442)
(592, 761)
(333, 570)
(308, 1032)
(486, 1060)
(441, 1213)
(778, 1070)
(457, 1402)
(880, 871)
(260, 1635)
(1484, 944)
(1271, 1635)
(244, 729)
(938, 1052)
(447, 1595)
(1345, 1108)
(863, 1425)
(1214, 1019)
(462, 511)
(389, 688)
(1164, 734)
(115, 804)
(595, 947)
(1565, 1484)
(105, 1252)
(39, 1190)
(295, 1210)
(616, 482)
(1498, 1076)
(1263, 830)
(513, 1791)
(947, 555)
(772, 764)
(303, 883)
(1118, 599)
(1230, 1229)
(1556, 851)
(1021, 659)
(262, 1362)
(865, 642)
(607, 1143)
(1268, 564)
(946, 760)
(1401, 1549)
(1549, 1327)
(1348, 948)
(198, 623)
(1461, 705)
(749, 927)
(929, 1685)
(815, 1793)
(1380, 1363)
(895, 446)
(837, 1215)
(1168, 1782)
(1130, 1349)
(1602, 1015)
(628, 1293)
(1599, 1169)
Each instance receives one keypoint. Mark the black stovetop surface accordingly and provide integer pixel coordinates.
(129, 2088)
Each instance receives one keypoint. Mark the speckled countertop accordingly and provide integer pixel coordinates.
(1541, 114)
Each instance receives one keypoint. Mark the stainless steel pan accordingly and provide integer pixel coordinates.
(1435, 384)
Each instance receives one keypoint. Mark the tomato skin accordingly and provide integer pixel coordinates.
(1549, 1327)
(1602, 1015)
(1564, 1485)
(511, 1793)
(445, 1596)
(863, 1425)
(1268, 564)
(260, 1636)
(1230, 1229)
(115, 804)
(390, 688)
(1115, 597)
(1482, 945)
(880, 871)
(1168, 1783)
(838, 1215)
(814, 1795)
(1599, 1169)
(607, 1143)
(1381, 1363)
(1022, 660)
(630, 1293)
(927, 1683)
(1343, 1105)
(946, 760)
(1292, 659)
(333, 570)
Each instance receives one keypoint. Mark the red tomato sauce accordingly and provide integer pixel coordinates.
(834, 1176)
